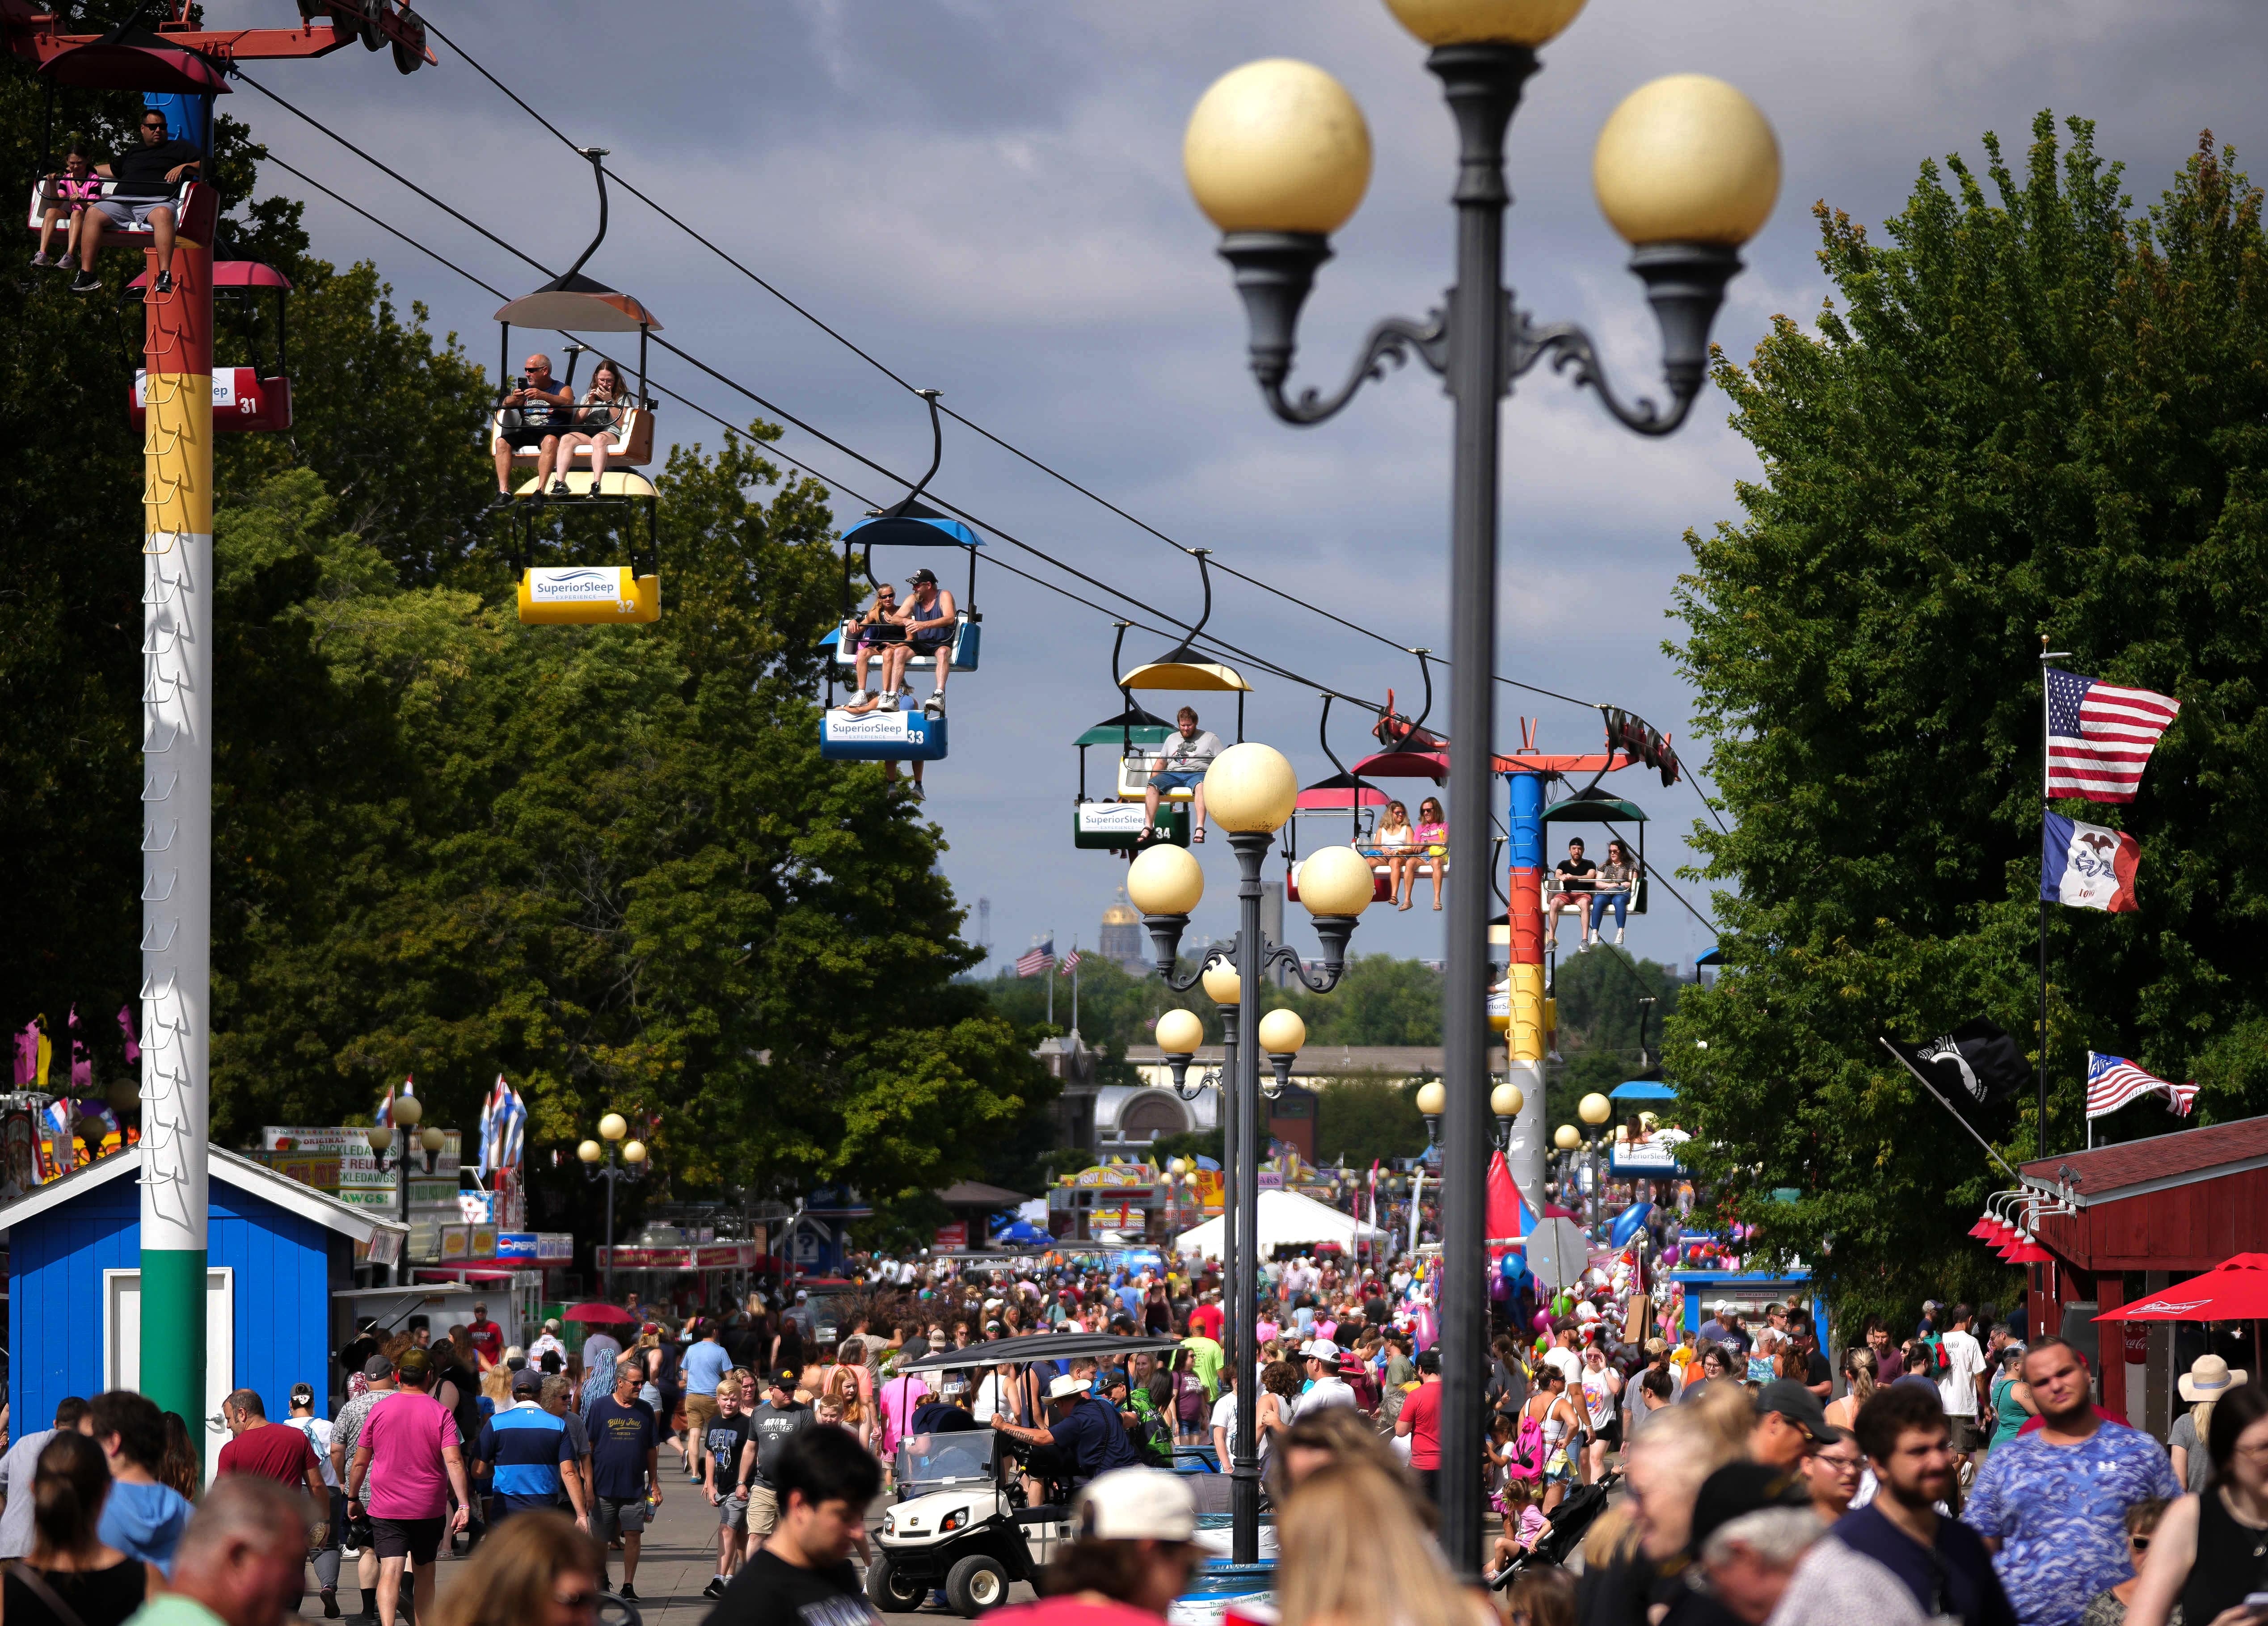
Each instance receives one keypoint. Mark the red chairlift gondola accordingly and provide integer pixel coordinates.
(244, 398)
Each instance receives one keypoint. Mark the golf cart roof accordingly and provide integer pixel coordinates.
(1040, 1347)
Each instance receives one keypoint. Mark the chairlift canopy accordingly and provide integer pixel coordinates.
(1182, 667)
(578, 303)
(117, 64)
(1432, 765)
(1339, 793)
(1642, 1090)
(1594, 810)
(919, 526)
(1147, 728)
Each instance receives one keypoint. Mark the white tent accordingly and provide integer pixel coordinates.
(1286, 1218)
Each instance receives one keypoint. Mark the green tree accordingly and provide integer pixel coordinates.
(2030, 412)
(1362, 1116)
(1378, 1000)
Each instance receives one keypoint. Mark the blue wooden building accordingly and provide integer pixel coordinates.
(276, 1252)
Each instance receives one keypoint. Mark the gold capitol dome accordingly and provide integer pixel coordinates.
(1121, 913)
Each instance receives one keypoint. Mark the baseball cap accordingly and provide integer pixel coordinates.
(783, 1378)
(378, 1367)
(1796, 1403)
(1135, 1505)
(1742, 1487)
(551, 1325)
(1322, 1349)
(923, 575)
(527, 1380)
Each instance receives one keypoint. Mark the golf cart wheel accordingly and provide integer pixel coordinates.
(976, 1583)
(889, 1591)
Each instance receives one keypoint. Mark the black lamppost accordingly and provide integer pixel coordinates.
(599, 1163)
(1278, 155)
(406, 1141)
(1249, 791)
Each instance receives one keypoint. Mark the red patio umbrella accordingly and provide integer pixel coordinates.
(2234, 1290)
(614, 1314)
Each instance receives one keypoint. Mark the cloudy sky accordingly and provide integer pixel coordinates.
(986, 194)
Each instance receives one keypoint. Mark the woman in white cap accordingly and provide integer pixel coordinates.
(2207, 1379)
(1130, 1556)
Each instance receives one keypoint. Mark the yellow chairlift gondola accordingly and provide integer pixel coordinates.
(583, 594)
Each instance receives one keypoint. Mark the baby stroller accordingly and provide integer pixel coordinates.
(1563, 1532)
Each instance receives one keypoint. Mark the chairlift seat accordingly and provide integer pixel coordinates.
(1118, 826)
(615, 485)
(241, 400)
(635, 438)
(968, 645)
(188, 195)
(905, 735)
(588, 595)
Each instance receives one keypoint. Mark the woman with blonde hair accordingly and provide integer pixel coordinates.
(535, 1570)
(1858, 1373)
(1395, 1573)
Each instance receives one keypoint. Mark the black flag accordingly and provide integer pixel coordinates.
(1976, 1066)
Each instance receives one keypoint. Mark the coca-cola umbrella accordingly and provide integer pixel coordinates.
(610, 1314)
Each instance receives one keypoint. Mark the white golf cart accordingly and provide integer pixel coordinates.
(962, 1521)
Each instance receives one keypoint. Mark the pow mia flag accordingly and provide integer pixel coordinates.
(1975, 1069)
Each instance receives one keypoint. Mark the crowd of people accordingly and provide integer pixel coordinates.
(1636, 1475)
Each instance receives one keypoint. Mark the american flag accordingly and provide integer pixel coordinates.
(2100, 736)
(1035, 961)
(2112, 1081)
(1070, 961)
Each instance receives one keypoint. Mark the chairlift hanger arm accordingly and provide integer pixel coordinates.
(898, 509)
(597, 155)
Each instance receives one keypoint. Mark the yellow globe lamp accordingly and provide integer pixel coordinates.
(590, 1152)
(634, 1152)
(1490, 22)
(1432, 1098)
(408, 1109)
(1686, 159)
(1594, 1109)
(432, 1137)
(1221, 984)
(1568, 1137)
(1177, 1166)
(614, 1126)
(1276, 145)
(1335, 881)
(380, 1137)
(1179, 1033)
(1506, 1099)
(1164, 879)
(1282, 1032)
(1250, 789)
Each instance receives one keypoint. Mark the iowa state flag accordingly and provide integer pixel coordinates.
(2086, 865)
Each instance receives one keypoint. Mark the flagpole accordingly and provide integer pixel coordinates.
(2046, 749)
(1050, 971)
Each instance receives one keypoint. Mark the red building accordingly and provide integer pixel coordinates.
(2132, 1219)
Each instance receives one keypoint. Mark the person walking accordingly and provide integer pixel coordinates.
(2210, 1552)
(625, 1470)
(705, 1364)
(1420, 1422)
(141, 1518)
(240, 1561)
(1943, 1562)
(18, 1465)
(325, 1554)
(70, 1577)
(802, 1575)
(409, 1458)
(377, 1375)
(2051, 1504)
(530, 1456)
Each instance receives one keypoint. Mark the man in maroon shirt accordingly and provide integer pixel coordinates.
(273, 1451)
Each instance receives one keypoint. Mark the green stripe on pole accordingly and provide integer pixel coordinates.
(174, 1334)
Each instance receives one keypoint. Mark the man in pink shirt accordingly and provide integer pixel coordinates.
(409, 1457)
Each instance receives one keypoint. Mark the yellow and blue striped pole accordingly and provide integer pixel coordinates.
(177, 696)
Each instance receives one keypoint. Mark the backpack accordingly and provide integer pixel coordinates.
(1524, 1456)
(1154, 1438)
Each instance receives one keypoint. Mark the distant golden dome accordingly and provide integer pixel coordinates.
(1121, 913)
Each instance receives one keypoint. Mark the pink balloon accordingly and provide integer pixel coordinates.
(1543, 1320)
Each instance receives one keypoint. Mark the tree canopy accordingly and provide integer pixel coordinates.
(604, 862)
(2028, 411)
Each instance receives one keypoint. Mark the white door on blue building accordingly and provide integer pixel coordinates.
(121, 1346)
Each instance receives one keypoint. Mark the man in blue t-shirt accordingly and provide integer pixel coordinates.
(625, 1469)
(706, 1363)
(532, 1463)
(2052, 1504)
(1944, 1563)
(1085, 1437)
